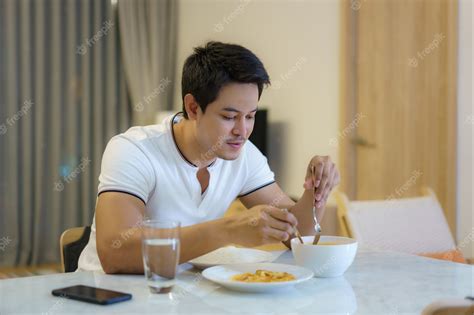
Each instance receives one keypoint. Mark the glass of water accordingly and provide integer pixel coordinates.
(160, 250)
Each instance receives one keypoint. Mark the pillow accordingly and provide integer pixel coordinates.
(454, 255)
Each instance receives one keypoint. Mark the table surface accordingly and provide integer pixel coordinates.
(376, 283)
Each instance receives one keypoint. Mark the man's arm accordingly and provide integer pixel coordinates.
(118, 221)
(119, 217)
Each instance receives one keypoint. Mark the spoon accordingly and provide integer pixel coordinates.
(317, 227)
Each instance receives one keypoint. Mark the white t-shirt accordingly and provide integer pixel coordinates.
(145, 162)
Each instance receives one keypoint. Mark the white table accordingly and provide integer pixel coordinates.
(377, 283)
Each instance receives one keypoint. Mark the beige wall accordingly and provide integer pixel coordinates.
(299, 45)
(298, 42)
(465, 122)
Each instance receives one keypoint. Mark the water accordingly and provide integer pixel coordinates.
(160, 258)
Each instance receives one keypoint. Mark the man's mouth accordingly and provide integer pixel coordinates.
(235, 144)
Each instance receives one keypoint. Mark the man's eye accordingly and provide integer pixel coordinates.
(228, 118)
(250, 117)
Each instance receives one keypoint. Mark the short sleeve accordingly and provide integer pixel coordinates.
(258, 173)
(126, 168)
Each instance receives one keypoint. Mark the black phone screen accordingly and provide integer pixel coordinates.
(92, 295)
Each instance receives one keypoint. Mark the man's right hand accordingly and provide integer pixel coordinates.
(262, 224)
(118, 218)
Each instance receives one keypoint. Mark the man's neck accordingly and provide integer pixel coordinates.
(186, 141)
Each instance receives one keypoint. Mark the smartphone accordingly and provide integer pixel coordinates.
(92, 295)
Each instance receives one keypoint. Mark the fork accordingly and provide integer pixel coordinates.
(297, 233)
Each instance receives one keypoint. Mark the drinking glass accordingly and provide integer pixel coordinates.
(160, 250)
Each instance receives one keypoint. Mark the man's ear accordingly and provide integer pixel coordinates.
(191, 106)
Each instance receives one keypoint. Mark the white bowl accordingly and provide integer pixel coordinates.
(325, 260)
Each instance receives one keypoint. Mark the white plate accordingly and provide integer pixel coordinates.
(222, 275)
(231, 255)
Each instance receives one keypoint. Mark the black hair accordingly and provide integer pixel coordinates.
(216, 64)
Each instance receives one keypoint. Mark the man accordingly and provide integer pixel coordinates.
(193, 165)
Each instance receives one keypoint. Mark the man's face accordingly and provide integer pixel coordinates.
(228, 121)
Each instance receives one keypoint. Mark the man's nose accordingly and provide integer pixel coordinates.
(239, 127)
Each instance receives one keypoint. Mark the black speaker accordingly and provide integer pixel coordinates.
(259, 134)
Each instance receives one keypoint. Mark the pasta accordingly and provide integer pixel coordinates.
(263, 276)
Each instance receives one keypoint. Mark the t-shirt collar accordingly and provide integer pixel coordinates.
(175, 119)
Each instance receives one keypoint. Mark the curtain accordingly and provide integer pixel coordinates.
(148, 41)
(62, 97)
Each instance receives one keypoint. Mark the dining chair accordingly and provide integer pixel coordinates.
(71, 244)
(450, 307)
(414, 225)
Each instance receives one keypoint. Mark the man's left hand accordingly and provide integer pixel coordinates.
(321, 176)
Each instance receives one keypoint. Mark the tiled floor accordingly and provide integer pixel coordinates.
(6, 273)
